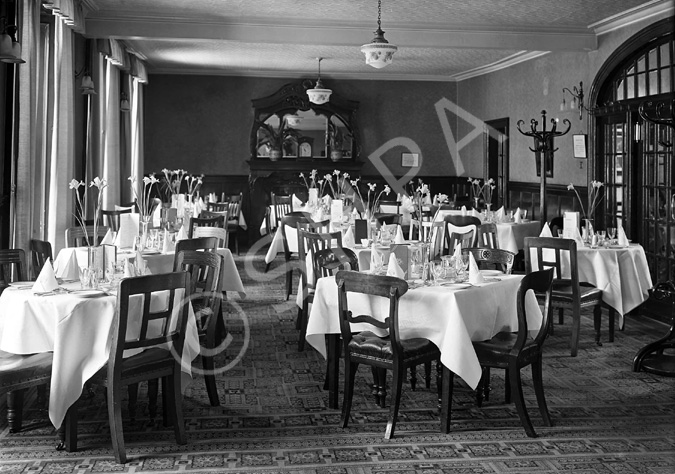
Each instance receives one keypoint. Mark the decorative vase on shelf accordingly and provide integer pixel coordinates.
(336, 155)
(275, 155)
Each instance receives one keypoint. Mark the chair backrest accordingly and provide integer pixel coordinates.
(217, 232)
(290, 222)
(234, 205)
(460, 229)
(321, 226)
(76, 237)
(12, 267)
(540, 282)
(462, 221)
(205, 285)
(434, 232)
(156, 327)
(329, 261)
(487, 236)
(111, 218)
(200, 243)
(217, 206)
(41, 251)
(500, 257)
(217, 221)
(133, 205)
(215, 214)
(384, 218)
(373, 285)
(282, 206)
(309, 243)
(551, 252)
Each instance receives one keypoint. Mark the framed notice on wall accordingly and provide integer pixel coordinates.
(580, 146)
(410, 160)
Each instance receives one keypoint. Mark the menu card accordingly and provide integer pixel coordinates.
(336, 210)
(570, 225)
(128, 230)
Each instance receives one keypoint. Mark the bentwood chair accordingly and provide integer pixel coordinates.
(282, 205)
(112, 218)
(460, 225)
(568, 292)
(199, 243)
(76, 237)
(497, 257)
(218, 232)
(19, 372)
(206, 295)
(211, 221)
(289, 230)
(512, 351)
(487, 236)
(41, 252)
(385, 218)
(309, 243)
(381, 353)
(157, 331)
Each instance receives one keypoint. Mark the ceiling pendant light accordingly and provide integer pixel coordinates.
(379, 53)
(318, 95)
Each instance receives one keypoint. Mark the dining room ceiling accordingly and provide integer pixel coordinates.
(440, 40)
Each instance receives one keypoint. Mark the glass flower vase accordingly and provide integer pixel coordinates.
(587, 231)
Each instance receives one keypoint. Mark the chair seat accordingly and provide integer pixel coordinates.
(17, 369)
(369, 345)
(494, 350)
(562, 295)
(149, 361)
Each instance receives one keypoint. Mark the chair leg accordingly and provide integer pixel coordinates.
(611, 323)
(153, 390)
(413, 377)
(427, 374)
(480, 390)
(597, 322)
(561, 316)
(350, 375)
(15, 410)
(133, 399)
(375, 391)
(303, 316)
(115, 420)
(397, 386)
(289, 280)
(41, 395)
(537, 381)
(166, 417)
(382, 387)
(517, 390)
(576, 328)
(210, 381)
(507, 387)
(175, 402)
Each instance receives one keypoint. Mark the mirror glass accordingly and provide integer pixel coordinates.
(340, 140)
(298, 134)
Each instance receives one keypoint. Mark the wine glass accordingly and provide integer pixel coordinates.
(611, 233)
(439, 272)
(601, 238)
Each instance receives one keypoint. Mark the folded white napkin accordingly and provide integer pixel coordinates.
(327, 200)
(167, 244)
(212, 197)
(475, 276)
(394, 269)
(576, 235)
(296, 203)
(157, 216)
(68, 269)
(141, 265)
(376, 259)
(475, 213)
(622, 238)
(398, 239)
(181, 235)
(545, 231)
(427, 199)
(108, 238)
(348, 239)
(129, 269)
(500, 214)
(517, 218)
(463, 210)
(46, 280)
(128, 230)
(457, 253)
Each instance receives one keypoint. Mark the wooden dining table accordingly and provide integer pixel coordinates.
(451, 316)
(75, 326)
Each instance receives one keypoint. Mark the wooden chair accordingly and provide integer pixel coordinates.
(199, 243)
(568, 292)
(487, 236)
(75, 236)
(453, 239)
(498, 257)
(217, 232)
(218, 206)
(19, 372)
(512, 351)
(112, 218)
(282, 205)
(459, 225)
(309, 243)
(155, 362)
(385, 218)
(214, 222)
(234, 209)
(319, 227)
(41, 252)
(382, 353)
(206, 298)
(290, 222)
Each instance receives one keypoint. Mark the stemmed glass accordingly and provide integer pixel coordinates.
(439, 272)
(611, 233)
(601, 238)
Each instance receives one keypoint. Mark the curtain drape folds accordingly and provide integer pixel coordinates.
(138, 70)
(70, 11)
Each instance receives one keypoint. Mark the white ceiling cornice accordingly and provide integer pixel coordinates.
(640, 13)
(503, 64)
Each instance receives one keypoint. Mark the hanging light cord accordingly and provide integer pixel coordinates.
(379, 14)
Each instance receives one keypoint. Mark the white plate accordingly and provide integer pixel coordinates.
(88, 293)
(491, 273)
(22, 285)
(456, 286)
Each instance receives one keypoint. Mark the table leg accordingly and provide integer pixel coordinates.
(67, 433)
(446, 399)
(333, 354)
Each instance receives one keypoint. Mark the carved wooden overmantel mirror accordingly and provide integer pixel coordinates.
(290, 133)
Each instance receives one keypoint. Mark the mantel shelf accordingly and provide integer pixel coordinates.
(262, 167)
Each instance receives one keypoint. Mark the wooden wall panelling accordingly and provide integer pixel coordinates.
(558, 198)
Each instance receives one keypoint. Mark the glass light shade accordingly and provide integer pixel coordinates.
(378, 54)
(6, 47)
(294, 120)
(87, 86)
(319, 95)
(573, 103)
(124, 105)
(562, 105)
(15, 56)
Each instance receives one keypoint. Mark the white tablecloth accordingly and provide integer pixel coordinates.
(622, 274)
(70, 259)
(451, 319)
(77, 330)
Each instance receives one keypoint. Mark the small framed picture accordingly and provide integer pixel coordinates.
(580, 146)
(410, 160)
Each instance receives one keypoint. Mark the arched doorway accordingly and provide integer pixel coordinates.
(630, 155)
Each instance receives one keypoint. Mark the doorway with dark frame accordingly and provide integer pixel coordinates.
(496, 161)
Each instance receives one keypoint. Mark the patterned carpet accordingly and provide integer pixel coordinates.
(274, 417)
